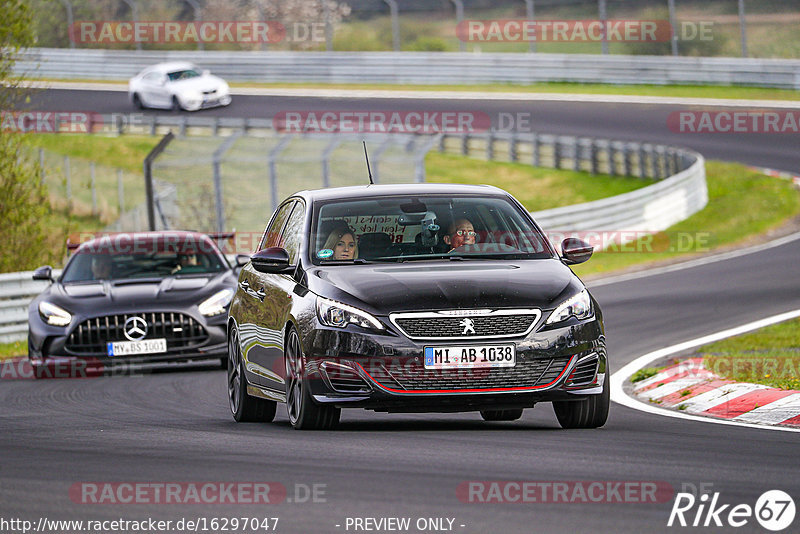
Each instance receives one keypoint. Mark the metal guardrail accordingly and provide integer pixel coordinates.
(16, 292)
(681, 189)
(419, 67)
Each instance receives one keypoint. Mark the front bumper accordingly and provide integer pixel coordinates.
(49, 345)
(352, 368)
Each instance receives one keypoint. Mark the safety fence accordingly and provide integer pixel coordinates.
(455, 68)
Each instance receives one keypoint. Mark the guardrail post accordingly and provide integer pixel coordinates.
(120, 193)
(328, 26)
(215, 127)
(197, 18)
(612, 162)
(182, 126)
(642, 170)
(651, 153)
(490, 147)
(556, 153)
(153, 125)
(94, 188)
(441, 142)
(676, 162)
(626, 159)
(593, 155)
(465, 144)
(536, 149)
(120, 124)
(576, 154)
(512, 148)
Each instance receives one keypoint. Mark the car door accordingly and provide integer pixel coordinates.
(257, 343)
(153, 89)
(278, 291)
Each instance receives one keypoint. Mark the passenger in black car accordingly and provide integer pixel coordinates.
(343, 243)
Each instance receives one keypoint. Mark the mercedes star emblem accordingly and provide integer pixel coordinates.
(135, 328)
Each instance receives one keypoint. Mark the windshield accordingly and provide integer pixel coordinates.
(179, 75)
(88, 266)
(423, 228)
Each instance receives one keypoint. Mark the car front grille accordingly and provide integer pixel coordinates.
(456, 325)
(181, 331)
(584, 371)
(412, 376)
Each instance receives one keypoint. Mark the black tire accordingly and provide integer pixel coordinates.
(304, 413)
(223, 362)
(501, 415)
(591, 412)
(244, 408)
(137, 101)
(176, 105)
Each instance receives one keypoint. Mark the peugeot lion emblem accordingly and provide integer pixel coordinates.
(469, 326)
(135, 328)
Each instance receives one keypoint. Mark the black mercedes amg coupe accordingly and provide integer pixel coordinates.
(413, 298)
(132, 298)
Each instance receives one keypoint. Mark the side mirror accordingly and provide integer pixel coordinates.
(271, 260)
(242, 259)
(574, 250)
(43, 273)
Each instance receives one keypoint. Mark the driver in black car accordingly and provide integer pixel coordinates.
(460, 233)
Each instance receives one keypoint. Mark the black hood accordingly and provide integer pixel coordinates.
(386, 288)
(106, 297)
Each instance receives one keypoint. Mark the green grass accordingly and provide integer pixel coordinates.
(742, 204)
(13, 350)
(644, 374)
(537, 188)
(770, 356)
(125, 152)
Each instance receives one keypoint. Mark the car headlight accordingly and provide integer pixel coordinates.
(579, 306)
(332, 313)
(216, 303)
(54, 315)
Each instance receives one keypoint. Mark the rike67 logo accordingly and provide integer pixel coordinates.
(774, 510)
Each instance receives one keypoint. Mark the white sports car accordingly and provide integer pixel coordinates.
(177, 86)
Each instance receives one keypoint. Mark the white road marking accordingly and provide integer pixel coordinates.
(718, 396)
(619, 378)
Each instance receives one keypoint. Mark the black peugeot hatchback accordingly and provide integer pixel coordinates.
(413, 298)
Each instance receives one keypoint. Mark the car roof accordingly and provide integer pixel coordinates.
(170, 66)
(421, 189)
(145, 238)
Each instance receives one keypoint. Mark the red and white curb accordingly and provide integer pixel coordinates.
(690, 387)
(783, 409)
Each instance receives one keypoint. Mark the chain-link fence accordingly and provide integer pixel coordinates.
(216, 184)
(754, 28)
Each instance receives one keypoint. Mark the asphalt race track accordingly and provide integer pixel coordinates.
(176, 426)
